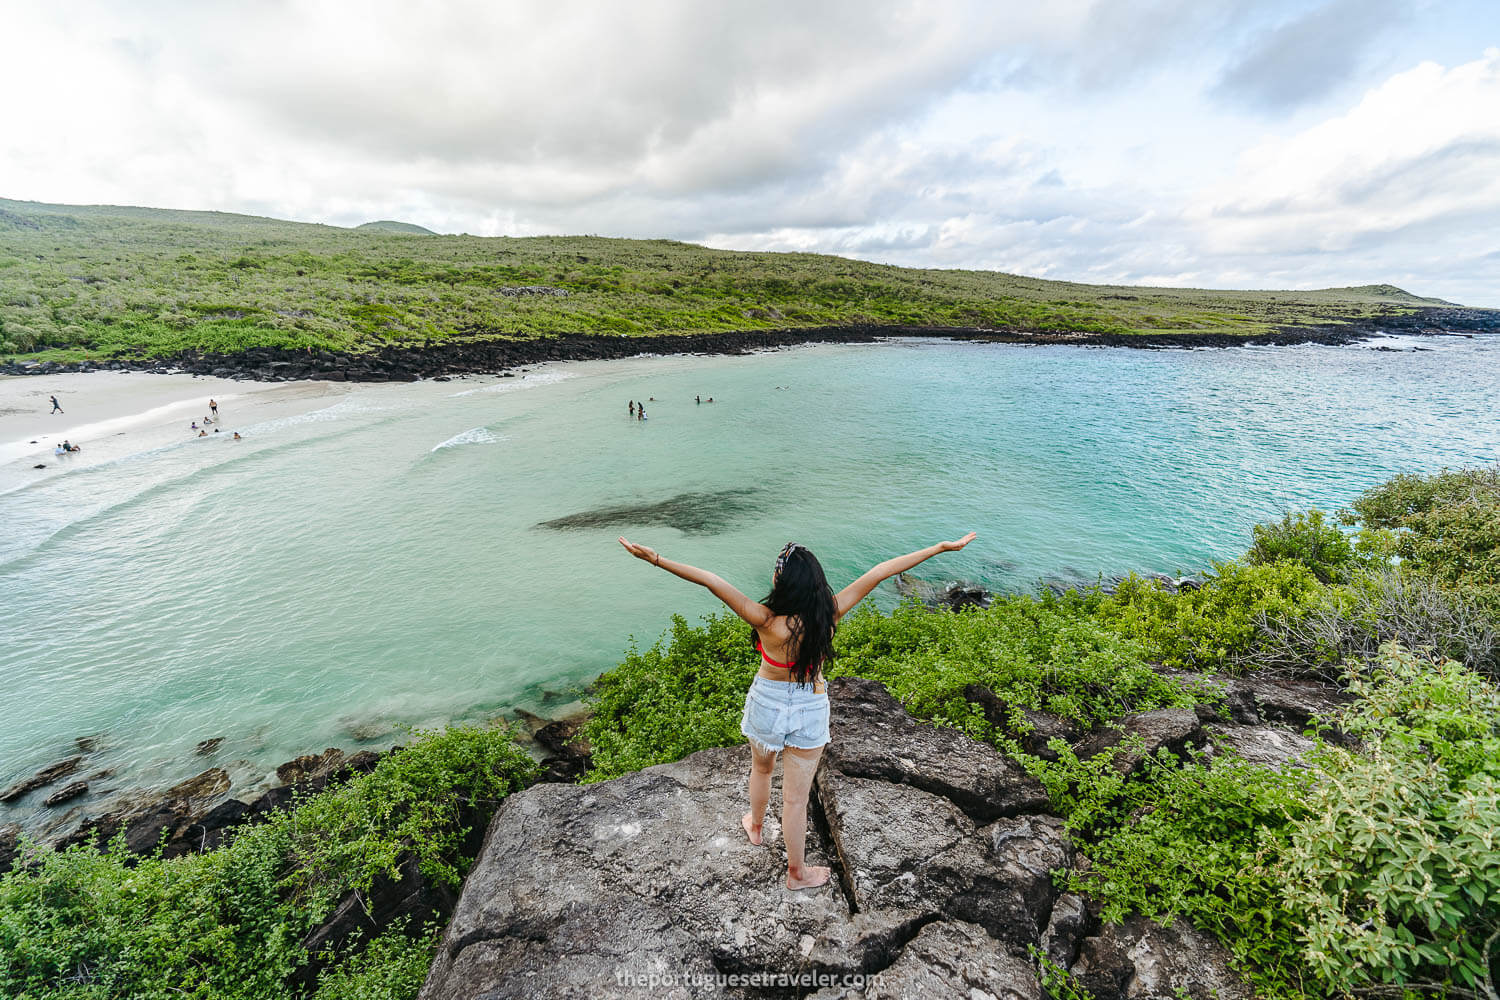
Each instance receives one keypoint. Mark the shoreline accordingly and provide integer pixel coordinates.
(478, 351)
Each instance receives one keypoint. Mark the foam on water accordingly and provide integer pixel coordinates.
(474, 435)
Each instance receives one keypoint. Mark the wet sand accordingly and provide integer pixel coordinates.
(112, 414)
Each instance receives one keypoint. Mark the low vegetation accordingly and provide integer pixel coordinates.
(1372, 871)
(229, 923)
(94, 282)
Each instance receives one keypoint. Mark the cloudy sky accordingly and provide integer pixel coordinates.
(1222, 143)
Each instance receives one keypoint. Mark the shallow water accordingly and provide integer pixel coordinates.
(429, 552)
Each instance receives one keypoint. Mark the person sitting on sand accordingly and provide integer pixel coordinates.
(193, 426)
(69, 446)
(206, 421)
(786, 708)
(58, 450)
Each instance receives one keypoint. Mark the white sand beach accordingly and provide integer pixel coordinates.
(113, 414)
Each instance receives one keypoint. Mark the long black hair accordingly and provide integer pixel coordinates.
(800, 591)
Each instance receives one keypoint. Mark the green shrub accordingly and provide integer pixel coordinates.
(1394, 873)
(1049, 655)
(1306, 538)
(1444, 527)
(229, 923)
(1214, 627)
(1186, 839)
(392, 967)
(683, 694)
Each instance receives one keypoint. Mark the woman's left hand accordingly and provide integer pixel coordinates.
(641, 552)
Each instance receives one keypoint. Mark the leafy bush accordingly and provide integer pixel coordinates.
(229, 923)
(392, 967)
(1394, 872)
(1047, 655)
(1186, 839)
(1306, 538)
(1444, 527)
(681, 695)
(1214, 627)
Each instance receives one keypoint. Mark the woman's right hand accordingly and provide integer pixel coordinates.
(955, 546)
(641, 552)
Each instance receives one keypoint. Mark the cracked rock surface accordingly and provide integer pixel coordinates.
(942, 859)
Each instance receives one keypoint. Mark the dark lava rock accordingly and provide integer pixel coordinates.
(1297, 702)
(1142, 960)
(1169, 728)
(1065, 929)
(1269, 745)
(208, 746)
(587, 890)
(66, 793)
(874, 737)
(1042, 727)
(947, 959)
(410, 896)
(10, 846)
(310, 766)
(42, 778)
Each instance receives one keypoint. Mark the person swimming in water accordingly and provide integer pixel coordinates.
(237, 436)
(786, 709)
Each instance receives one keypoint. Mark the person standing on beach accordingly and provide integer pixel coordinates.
(213, 407)
(786, 709)
(56, 406)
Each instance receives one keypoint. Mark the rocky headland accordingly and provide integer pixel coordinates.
(945, 855)
(484, 351)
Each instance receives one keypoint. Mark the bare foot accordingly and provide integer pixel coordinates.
(752, 830)
(810, 877)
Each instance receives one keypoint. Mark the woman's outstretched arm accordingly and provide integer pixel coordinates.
(857, 591)
(758, 615)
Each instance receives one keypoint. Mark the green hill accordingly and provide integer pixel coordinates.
(99, 280)
(391, 226)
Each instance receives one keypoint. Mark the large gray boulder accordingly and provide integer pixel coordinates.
(874, 737)
(942, 858)
(1144, 960)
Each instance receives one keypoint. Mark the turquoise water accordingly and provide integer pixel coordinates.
(378, 562)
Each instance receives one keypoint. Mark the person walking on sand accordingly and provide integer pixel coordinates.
(56, 406)
(786, 709)
(213, 407)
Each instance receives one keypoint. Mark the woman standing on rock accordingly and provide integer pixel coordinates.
(787, 706)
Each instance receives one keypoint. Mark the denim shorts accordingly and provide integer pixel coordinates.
(785, 714)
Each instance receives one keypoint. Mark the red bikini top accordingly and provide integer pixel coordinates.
(763, 656)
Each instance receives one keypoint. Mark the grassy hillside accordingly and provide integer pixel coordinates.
(101, 281)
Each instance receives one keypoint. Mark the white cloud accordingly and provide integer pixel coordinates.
(1082, 139)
